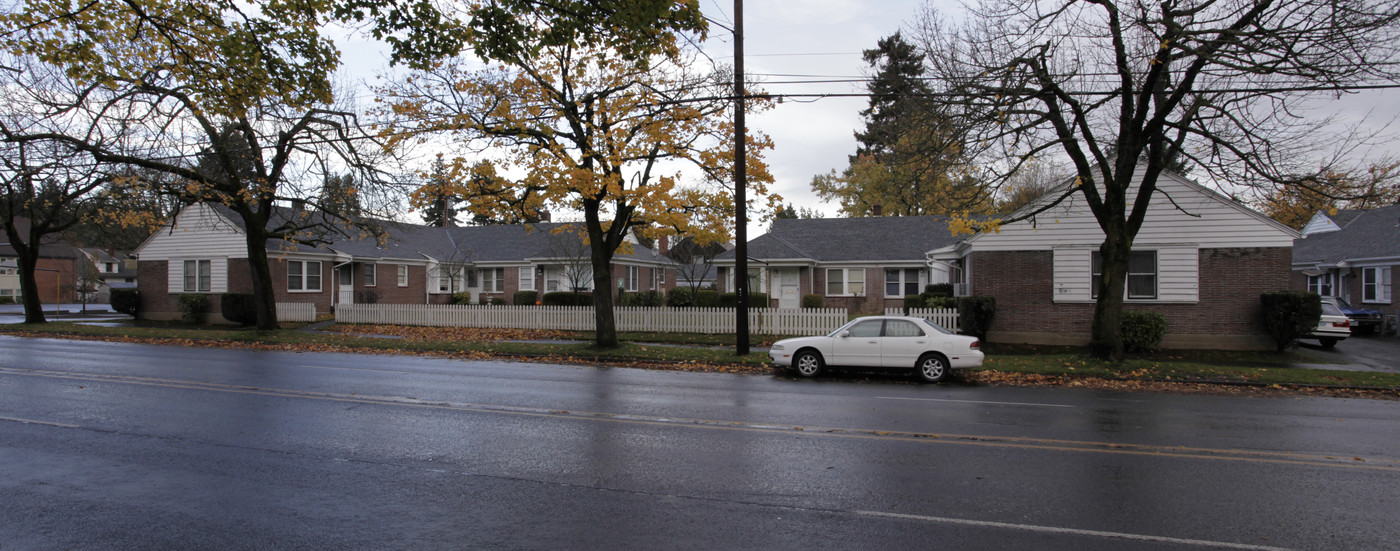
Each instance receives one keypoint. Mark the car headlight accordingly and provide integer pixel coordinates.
(776, 347)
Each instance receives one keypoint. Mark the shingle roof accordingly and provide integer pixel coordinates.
(1364, 234)
(852, 239)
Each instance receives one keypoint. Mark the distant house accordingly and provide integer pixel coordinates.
(115, 270)
(861, 264)
(1200, 259)
(54, 270)
(202, 251)
(1350, 254)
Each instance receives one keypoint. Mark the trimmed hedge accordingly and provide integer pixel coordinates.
(707, 298)
(938, 290)
(7, 300)
(912, 301)
(975, 315)
(126, 301)
(940, 302)
(239, 308)
(193, 307)
(813, 301)
(566, 298)
(461, 298)
(1289, 315)
(643, 299)
(524, 298)
(680, 297)
(731, 300)
(1142, 330)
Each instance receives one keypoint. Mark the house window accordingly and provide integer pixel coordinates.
(632, 274)
(1375, 284)
(1321, 284)
(1142, 274)
(303, 275)
(370, 272)
(449, 279)
(110, 267)
(845, 281)
(198, 275)
(897, 280)
(493, 280)
(527, 278)
(403, 275)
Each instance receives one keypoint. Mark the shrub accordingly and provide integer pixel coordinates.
(912, 301)
(495, 301)
(1289, 315)
(193, 307)
(461, 298)
(731, 300)
(642, 299)
(565, 298)
(813, 301)
(707, 298)
(7, 300)
(680, 297)
(126, 301)
(940, 302)
(524, 297)
(367, 296)
(975, 315)
(1142, 330)
(939, 289)
(239, 308)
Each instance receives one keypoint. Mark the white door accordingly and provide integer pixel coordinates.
(788, 283)
(345, 281)
(902, 344)
(860, 346)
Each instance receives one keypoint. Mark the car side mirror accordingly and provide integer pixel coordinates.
(845, 334)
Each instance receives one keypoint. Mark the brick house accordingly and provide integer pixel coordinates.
(1351, 254)
(54, 271)
(203, 251)
(1200, 259)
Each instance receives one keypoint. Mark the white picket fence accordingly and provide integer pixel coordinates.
(947, 317)
(296, 311)
(766, 321)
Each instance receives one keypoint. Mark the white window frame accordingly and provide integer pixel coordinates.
(304, 267)
(1096, 271)
(848, 284)
(903, 280)
(1322, 284)
(203, 276)
(371, 275)
(403, 275)
(493, 280)
(633, 273)
(1375, 284)
(527, 278)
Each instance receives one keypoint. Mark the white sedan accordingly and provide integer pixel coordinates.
(882, 341)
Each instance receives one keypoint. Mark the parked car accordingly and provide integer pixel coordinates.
(1333, 327)
(1363, 320)
(898, 342)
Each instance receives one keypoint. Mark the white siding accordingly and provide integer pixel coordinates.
(198, 230)
(1177, 274)
(1181, 212)
(218, 274)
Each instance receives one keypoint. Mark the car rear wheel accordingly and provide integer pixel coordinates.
(808, 363)
(933, 368)
(1328, 343)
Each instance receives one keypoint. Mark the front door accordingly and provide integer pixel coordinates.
(859, 345)
(345, 281)
(788, 282)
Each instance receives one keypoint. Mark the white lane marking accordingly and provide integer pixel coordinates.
(36, 422)
(976, 402)
(1072, 531)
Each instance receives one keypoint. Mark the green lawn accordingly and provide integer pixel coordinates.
(716, 353)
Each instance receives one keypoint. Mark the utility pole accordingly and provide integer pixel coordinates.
(741, 247)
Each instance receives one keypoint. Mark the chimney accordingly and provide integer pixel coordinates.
(663, 245)
(875, 210)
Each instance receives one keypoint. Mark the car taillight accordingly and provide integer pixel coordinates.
(1346, 323)
(975, 345)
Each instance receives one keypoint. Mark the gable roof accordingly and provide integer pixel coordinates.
(878, 238)
(1364, 234)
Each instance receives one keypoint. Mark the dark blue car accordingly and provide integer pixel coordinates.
(1364, 320)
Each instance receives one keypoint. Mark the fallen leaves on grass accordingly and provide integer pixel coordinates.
(1000, 378)
(424, 334)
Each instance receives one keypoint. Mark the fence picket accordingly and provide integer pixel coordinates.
(811, 321)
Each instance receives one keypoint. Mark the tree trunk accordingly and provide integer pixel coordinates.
(1106, 341)
(264, 298)
(605, 325)
(29, 284)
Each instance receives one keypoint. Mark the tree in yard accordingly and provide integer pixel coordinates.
(694, 260)
(909, 161)
(1121, 89)
(591, 131)
(85, 280)
(1295, 205)
(575, 257)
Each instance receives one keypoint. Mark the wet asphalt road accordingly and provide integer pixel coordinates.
(121, 446)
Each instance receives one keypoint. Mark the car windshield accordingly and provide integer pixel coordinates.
(941, 328)
(1331, 309)
(1343, 302)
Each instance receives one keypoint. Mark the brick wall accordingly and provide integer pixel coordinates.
(1230, 283)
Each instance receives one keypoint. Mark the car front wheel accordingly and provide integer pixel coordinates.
(933, 368)
(808, 363)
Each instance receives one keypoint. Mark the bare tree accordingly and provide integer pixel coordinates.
(574, 256)
(1124, 89)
